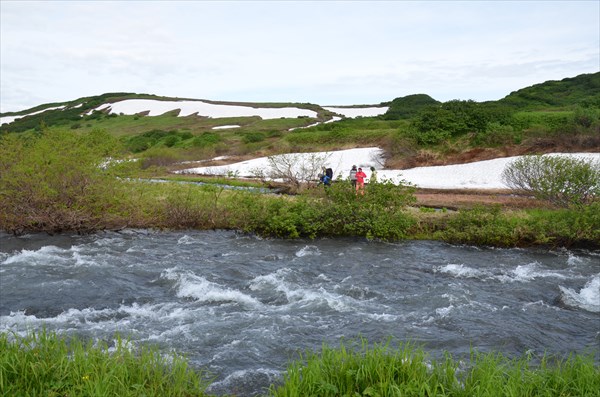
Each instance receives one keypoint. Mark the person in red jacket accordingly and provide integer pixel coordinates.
(360, 181)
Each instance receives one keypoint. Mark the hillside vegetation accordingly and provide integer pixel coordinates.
(56, 176)
(416, 130)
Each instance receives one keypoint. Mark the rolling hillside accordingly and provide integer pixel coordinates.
(413, 130)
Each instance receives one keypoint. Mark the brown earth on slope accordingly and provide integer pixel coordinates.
(555, 144)
(469, 198)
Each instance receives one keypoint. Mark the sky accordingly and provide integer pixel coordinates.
(324, 52)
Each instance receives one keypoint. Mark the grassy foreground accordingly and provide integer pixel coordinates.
(43, 363)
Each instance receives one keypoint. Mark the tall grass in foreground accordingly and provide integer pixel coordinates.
(44, 364)
(380, 370)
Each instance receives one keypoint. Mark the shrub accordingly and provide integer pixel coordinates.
(295, 168)
(159, 157)
(170, 141)
(561, 180)
(56, 181)
(253, 137)
(497, 134)
(206, 139)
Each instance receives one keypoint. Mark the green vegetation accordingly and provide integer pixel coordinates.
(57, 181)
(61, 181)
(44, 363)
(406, 370)
(564, 181)
(583, 90)
(55, 174)
(409, 106)
(551, 116)
(490, 226)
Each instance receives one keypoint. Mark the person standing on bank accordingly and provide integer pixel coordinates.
(373, 178)
(360, 181)
(353, 177)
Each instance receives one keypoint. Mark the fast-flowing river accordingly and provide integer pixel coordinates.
(242, 307)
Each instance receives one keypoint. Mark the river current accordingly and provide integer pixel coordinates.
(242, 307)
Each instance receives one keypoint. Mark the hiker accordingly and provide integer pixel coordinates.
(360, 181)
(326, 177)
(353, 177)
(373, 178)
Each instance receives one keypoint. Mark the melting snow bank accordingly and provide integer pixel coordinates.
(187, 108)
(358, 112)
(225, 127)
(10, 119)
(340, 161)
(477, 175)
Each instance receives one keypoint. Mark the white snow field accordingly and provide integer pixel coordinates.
(477, 175)
(357, 112)
(187, 108)
(10, 119)
(225, 127)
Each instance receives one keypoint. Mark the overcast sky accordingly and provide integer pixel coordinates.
(324, 52)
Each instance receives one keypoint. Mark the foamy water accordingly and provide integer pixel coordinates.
(242, 307)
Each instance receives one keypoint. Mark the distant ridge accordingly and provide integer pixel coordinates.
(580, 90)
(583, 90)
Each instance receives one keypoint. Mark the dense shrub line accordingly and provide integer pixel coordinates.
(493, 227)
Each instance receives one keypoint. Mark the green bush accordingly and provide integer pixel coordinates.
(253, 137)
(334, 211)
(56, 181)
(142, 142)
(481, 226)
(497, 134)
(561, 180)
(207, 139)
(493, 227)
(408, 106)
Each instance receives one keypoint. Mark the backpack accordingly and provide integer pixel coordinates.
(329, 173)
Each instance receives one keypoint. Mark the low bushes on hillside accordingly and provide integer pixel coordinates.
(56, 181)
(562, 180)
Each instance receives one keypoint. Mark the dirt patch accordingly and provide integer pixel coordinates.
(561, 144)
(464, 199)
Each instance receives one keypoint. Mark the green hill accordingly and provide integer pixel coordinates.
(408, 106)
(583, 90)
(416, 129)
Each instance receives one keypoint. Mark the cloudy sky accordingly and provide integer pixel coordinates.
(324, 52)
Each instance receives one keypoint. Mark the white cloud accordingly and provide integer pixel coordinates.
(326, 52)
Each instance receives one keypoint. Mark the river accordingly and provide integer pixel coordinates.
(241, 306)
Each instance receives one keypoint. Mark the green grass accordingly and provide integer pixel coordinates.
(217, 180)
(406, 370)
(45, 364)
